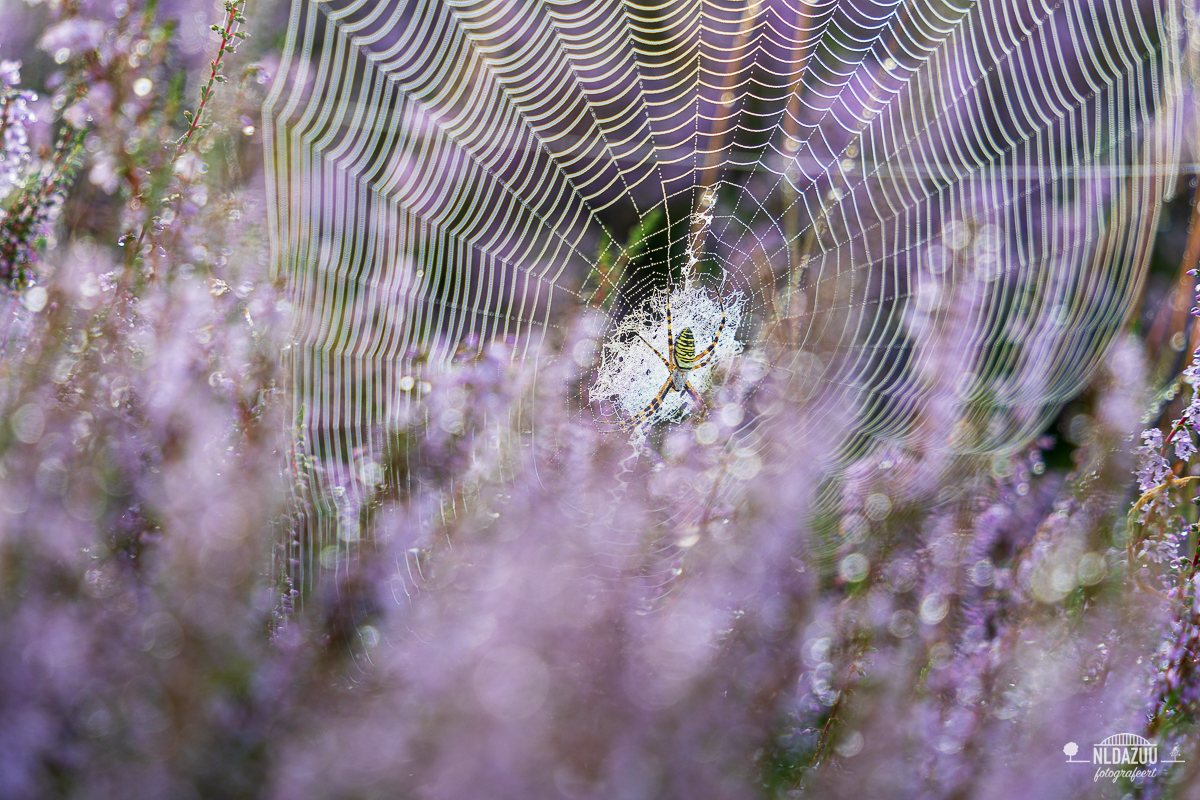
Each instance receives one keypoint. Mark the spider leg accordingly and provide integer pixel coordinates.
(649, 410)
(670, 336)
(698, 398)
(655, 349)
(702, 359)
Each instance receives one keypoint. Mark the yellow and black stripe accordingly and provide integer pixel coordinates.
(685, 350)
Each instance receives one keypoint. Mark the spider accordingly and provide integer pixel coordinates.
(683, 359)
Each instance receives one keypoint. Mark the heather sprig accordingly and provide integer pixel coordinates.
(15, 118)
(230, 36)
(27, 226)
(1163, 549)
(32, 191)
(184, 165)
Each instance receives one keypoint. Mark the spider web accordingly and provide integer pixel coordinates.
(915, 198)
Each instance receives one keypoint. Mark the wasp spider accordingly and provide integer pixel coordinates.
(682, 360)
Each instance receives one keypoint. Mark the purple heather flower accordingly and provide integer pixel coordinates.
(10, 73)
(75, 35)
(1152, 466)
(1191, 373)
(16, 115)
(1184, 445)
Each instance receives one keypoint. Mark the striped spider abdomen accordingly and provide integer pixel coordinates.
(685, 350)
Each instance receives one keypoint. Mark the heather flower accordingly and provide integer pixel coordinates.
(10, 73)
(189, 166)
(15, 119)
(104, 173)
(1152, 466)
(72, 37)
(76, 115)
(1191, 376)
(1184, 445)
(94, 107)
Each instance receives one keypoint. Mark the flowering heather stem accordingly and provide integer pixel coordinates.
(32, 192)
(1170, 542)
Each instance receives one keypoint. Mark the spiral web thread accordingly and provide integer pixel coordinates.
(917, 199)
